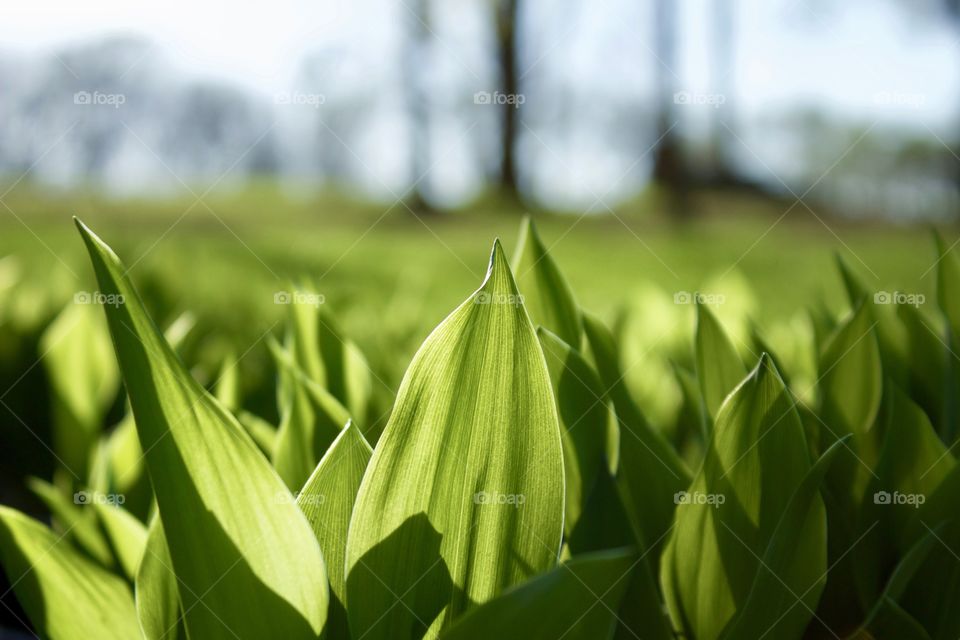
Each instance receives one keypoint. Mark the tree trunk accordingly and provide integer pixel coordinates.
(507, 57)
(669, 168)
(417, 105)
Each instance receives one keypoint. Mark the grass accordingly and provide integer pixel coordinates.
(257, 239)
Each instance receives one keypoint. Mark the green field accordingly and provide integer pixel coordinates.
(224, 257)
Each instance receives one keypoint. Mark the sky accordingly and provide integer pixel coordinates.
(860, 61)
(835, 53)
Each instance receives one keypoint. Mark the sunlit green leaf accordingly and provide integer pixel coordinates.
(725, 521)
(310, 420)
(157, 598)
(719, 367)
(327, 500)
(546, 293)
(463, 497)
(65, 595)
(84, 379)
(649, 472)
(774, 608)
(588, 425)
(254, 559)
(126, 534)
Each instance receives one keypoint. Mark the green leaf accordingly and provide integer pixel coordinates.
(126, 534)
(348, 374)
(948, 283)
(649, 472)
(886, 616)
(157, 598)
(774, 609)
(261, 431)
(303, 335)
(913, 462)
(575, 601)
(546, 293)
(327, 500)
(227, 388)
(121, 470)
(948, 299)
(850, 376)
(84, 380)
(65, 595)
(588, 426)
(73, 521)
(756, 461)
(255, 560)
(310, 420)
(464, 494)
(719, 367)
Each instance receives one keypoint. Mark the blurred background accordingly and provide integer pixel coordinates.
(552, 105)
(374, 149)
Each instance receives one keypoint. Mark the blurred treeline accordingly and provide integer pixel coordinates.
(578, 107)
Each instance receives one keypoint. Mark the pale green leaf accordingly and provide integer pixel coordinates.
(464, 494)
(310, 420)
(84, 380)
(126, 534)
(348, 374)
(157, 598)
(546, 293)
(719, 367)
(227, 387)
(65, 595)
(649, 472)
(73, 521)
(587, 424)
(254, 558)
(850, 376)
(327, 500)
(772, 607)
(756, 460)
